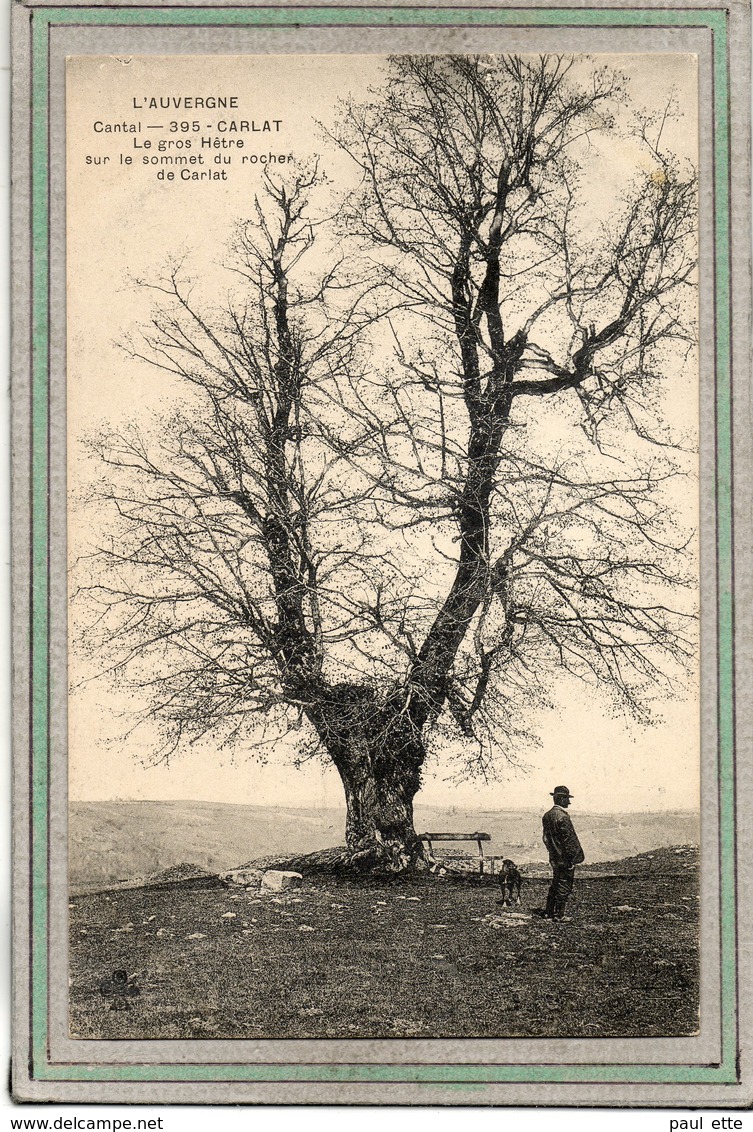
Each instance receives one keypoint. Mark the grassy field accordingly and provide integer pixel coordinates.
(429, 958)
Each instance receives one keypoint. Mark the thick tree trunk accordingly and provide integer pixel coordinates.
(380, 806)
(378, 753)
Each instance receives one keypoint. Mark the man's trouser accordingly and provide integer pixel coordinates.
(559, 890)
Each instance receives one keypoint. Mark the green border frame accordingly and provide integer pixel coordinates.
(40, 1066)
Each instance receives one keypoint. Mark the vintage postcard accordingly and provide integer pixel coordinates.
(380, 378)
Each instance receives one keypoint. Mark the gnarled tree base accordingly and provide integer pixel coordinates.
(375, 860)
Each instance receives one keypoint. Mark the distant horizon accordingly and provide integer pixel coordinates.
(341, 807)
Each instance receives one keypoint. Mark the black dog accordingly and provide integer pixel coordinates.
(510, 882)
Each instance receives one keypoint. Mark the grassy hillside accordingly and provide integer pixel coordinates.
(113, 841)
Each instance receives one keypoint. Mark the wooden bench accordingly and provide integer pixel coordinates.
(479, 838)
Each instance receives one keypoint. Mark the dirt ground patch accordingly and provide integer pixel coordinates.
(373, 958)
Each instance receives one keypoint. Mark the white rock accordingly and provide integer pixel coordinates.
(229, 916)
(275, 880)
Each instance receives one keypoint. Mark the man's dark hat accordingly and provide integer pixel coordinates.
(561, 790)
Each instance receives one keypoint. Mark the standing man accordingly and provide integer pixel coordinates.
(565, 852)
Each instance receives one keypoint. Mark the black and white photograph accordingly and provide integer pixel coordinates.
(383, 553)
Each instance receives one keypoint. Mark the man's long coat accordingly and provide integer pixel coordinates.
(561, 839)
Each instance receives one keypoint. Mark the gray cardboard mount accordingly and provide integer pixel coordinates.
(48, 1065)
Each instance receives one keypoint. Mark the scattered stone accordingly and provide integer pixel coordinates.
(305, 928)
(196, 935)
(228, 916)
(277, 880)
(245, 878)
(625, 908)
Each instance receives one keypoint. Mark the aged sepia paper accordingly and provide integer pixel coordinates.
(378, 436)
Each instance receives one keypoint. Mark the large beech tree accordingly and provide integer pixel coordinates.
(422, 467)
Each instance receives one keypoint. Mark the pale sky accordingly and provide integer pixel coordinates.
(125, 222)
